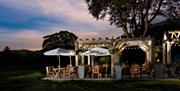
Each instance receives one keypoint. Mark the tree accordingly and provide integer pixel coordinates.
(133, 16)
(6, 49)
(63, 39)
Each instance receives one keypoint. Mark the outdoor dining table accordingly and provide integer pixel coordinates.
(58, 72)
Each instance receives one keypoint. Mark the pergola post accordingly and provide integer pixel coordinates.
(89, 59)
(112, 65)
(164, 53)
(92, 64)
(152, 51)
(168, 52)
(82, 59)
(76, 59)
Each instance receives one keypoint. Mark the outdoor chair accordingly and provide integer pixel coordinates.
(50, 72)
(87, 71)
(125, 69)
(69, 66)
(95, 71)
(47, 70)
(144, 69)
(105, 66)
(72, 71)
(90, 71)
(68, 72)
(135, 70)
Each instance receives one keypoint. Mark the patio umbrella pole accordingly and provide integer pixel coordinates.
(59, 61)
(70, 61)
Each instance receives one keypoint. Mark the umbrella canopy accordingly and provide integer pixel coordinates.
(97, 51)
(59, 51)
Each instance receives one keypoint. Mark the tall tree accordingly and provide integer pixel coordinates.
(133, 16)
(6, 49)
(63, 39)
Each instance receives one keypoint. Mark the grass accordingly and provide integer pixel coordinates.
(31, 80)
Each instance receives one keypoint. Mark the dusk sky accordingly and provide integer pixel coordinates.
(23, 23)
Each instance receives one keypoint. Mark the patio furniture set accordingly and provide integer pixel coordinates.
(70, 72)
(60, 73)
(135, 70)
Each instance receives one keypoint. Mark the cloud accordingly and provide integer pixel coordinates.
(72, 13)
(26, 39)
(25, 22)
(32, 39)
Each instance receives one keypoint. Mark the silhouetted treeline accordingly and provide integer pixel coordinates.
(20, 57)
(25, 59)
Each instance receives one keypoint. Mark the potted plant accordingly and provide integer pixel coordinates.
(118, 71)
(118, 68)
(80, 69)
(158, 65)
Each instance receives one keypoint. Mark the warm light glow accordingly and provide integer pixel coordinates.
(158, 60)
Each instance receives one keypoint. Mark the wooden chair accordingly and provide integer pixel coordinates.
(144, 69)
(106, 69)
(88, 71)
(134, 70)
(58, 73)
(72, 72)
(68, 72)
(95, 71)
(125, 69)
(50, 72)
(47, 70)
(69, 66)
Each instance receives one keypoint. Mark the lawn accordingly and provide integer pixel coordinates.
(31, 80)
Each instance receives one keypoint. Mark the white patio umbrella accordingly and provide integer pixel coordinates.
(58, 52)
(97, 51)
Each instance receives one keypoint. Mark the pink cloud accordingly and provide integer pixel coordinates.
(74, 14)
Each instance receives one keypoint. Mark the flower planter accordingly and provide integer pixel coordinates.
(81, 71)
(118, 71)
(159, 70)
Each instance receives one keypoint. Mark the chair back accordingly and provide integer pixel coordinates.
(51, 69)
(124, 66)
(95, 69)
(135, 68)
(69, 66)
(105, 66)
(144, 68)
(71, 69)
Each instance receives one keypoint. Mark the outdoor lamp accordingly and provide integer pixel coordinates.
(158, 60)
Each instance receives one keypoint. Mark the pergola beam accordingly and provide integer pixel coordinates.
(170, 38)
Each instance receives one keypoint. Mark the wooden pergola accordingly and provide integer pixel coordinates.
(170, 38)
(116, 46)
(145, 44)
